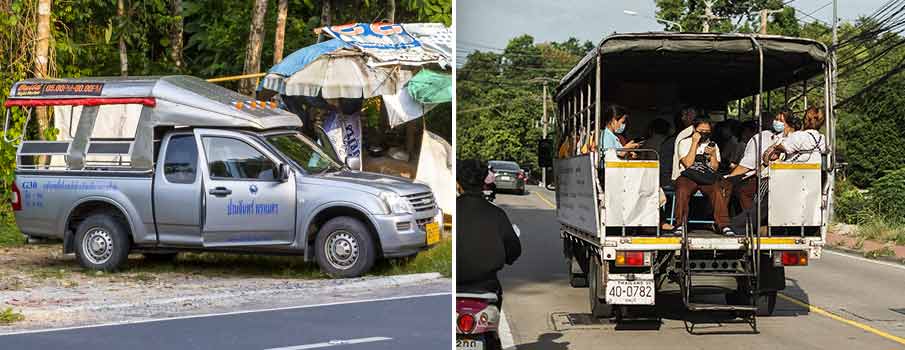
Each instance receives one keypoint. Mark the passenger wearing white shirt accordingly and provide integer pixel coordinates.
(803, 145)
(747, 188)
(699, 148)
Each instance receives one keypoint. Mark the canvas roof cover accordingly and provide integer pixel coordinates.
(705, 67)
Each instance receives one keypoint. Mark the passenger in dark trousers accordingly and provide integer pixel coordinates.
(716, 193)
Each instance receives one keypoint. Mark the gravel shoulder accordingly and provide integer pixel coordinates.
(52, 291)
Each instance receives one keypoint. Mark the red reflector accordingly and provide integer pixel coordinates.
(794, 258)
(634, 258)
(16, 198)
(466, 323)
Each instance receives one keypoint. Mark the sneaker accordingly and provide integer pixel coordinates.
(728, 231)
(678, 230)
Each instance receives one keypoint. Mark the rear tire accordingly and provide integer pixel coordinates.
(598, 309)
(102, 243)
(345, 248)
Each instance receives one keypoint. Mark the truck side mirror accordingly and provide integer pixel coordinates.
(283, 172)
(545, 153)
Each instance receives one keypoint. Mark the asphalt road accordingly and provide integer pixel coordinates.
(416, 322)
(840, 302)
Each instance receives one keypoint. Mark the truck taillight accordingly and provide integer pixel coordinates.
(790, 258)
(16, 198)
(632, 258)
(466, 323)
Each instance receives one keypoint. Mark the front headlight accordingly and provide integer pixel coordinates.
(396, 203)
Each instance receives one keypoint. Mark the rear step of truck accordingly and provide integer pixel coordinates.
(746, 276)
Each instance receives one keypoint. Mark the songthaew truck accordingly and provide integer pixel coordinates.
(609, 206)
(200, 168)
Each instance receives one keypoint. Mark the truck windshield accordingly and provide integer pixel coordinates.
(304, 153)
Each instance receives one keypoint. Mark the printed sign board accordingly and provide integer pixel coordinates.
(59, 89)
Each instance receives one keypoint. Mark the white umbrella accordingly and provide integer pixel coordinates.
(345, 74)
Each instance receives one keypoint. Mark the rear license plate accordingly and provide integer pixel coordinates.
(505, 178)
(433, 233)
(469, 344)
(621, 292)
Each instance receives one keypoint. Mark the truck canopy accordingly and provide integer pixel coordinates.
(165, 101)
(704, 68)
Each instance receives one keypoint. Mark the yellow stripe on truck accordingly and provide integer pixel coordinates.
(774, 240)
(795, 166)
(656, 240)
(615, 164)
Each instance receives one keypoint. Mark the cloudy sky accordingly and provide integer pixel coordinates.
(483, 25)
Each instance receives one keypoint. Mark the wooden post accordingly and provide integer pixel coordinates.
(123, 58)
(176, 34)
(326, 17)
(279, 37)
(42, 61)
(255, 45)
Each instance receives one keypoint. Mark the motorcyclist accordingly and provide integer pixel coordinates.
(486, 241)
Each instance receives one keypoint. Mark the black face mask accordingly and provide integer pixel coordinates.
(705, 136)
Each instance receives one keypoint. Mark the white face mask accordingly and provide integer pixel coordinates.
(621, 129)
(778, 126)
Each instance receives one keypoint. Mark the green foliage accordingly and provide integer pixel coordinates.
(850, 205)
(8, 316)
(888, 195)
(499, 98)
(738, 16)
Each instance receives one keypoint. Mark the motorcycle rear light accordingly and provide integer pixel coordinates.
(633, 258)
(791, 258)
(16, 198)
(466, 323)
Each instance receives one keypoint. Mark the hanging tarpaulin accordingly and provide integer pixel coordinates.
(275, 80)
(402, 107)
(430, 87)
(344, 74)
(387, 43)
(435, 170)
(433, 36)
(344, 132)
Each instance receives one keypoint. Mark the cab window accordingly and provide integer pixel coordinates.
(181, 159)
(232, 159)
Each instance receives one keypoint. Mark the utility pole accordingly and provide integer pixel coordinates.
(764, 14)
(42, 62)
(544, 120)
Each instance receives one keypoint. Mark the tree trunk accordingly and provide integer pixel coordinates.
(176, 34)
(123, 59)
(282, 10)
(255, 45)
(42, 61)
(391, 10)
(326, 17)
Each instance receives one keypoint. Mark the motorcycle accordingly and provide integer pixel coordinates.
(478, 318)
(477, 321)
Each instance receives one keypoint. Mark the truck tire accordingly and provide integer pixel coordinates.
(598, 309)
(102, 243)
(345, 248)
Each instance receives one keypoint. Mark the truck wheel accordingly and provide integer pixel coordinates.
(598, 309)
(345, 248)
(102, 243)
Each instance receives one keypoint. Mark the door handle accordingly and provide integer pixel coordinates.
(221, 191)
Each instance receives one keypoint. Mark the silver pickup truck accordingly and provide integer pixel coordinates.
(207, 170)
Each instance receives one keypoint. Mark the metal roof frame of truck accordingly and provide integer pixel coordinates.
(167, 101)
(628, 56)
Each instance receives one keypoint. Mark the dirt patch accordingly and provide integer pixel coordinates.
(845, 237)
(51, 290)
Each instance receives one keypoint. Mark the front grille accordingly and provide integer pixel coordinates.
(422, 201)
(422, 223)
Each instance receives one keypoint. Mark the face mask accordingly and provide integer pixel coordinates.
(705, 136)
(778, 126)
(621, 129)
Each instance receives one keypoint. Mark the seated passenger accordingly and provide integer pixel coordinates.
(686, 116)
(697, 165)
(615, 118)
(775, 129)
(801, 145)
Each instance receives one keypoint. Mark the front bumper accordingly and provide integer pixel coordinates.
(403, 234)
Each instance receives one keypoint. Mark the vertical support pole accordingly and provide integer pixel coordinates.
(804, 92)
(598, 104)
(543, 170)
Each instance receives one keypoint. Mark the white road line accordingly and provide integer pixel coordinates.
(850, 256)
(333, 343)
(506, 339)
(223, 314)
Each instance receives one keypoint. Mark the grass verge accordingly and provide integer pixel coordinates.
(882, 230)
(9, 234)
(8, 316)
(436, 259)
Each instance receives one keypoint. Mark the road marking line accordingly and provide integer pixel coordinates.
(545, 200)
(505, 333)
(831, 315)
(224, 314)
(333, 343)
(850, 256)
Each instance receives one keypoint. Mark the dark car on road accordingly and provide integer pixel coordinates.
(509, 176)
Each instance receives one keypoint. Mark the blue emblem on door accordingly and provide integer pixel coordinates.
(253, 189)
